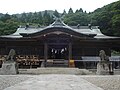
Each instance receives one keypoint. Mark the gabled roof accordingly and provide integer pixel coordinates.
(94, 31)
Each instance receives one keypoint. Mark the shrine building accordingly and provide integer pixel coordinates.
(58, 42)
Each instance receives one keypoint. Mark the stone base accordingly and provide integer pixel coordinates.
(103, 69)
(43, 64)
(9, 68)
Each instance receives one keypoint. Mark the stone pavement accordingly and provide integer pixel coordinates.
(54, 82)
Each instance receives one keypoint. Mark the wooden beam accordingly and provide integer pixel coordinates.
(70, 50)
(45, 52)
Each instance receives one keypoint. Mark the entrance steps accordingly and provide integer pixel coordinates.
(57, 63)
(72, 71)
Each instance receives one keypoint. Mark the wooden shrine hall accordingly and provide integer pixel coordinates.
(58, 42)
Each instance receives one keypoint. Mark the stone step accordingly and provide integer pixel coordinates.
(51, 70)
(57, 63)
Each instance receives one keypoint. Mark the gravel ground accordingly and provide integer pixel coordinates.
(105, 82)
(10, 80)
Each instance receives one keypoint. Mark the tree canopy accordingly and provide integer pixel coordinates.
(107, 18)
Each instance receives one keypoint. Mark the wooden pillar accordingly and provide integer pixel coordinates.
(70, 50)
(45, 53)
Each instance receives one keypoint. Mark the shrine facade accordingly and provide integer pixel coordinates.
(59, 41)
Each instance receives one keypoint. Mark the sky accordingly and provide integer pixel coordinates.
(20, 6)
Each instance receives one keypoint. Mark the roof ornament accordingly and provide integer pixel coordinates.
(97, 27)
(58, 21)
(56, 18)
(27, 26)
(78, 26)
(38, 25)
(19, 26)
(90, 26)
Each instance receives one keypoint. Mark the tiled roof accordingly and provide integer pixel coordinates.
(59, 23)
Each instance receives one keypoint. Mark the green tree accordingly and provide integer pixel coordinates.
(29, 17)
(106, 17)
(56, 13)
(70, 11)
(40, 18)
(35, 18)
(116, 24)
(77, 18)
(23, 18)
(81, 10)
(5, 17)
(46, 18)
(64, 12)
